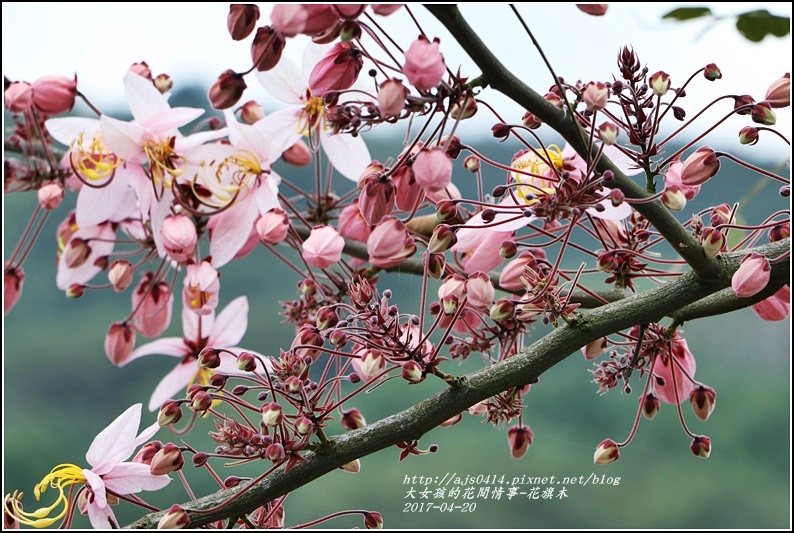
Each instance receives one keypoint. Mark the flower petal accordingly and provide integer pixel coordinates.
(129, 478)
(116, 442)
(285, 82)
(174, 346)
(231, 230)
(173, 382)
(143, 98)
(125, 139)
(67, 129)
(231, 324)
(349, 155)
(281, 130)
(95, 206)
(170, 119)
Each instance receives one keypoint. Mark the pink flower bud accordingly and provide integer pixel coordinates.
(141, 69)
(712, 72)
(272, 414)
(75, 291)
(673, 198)
(289, 19)
(424, 65)
(606, 452)
(50, 195)
(352, 224)
(119, 342)
(337, 70)
(369, 364)
(519, 438)
(324, 247)
(168, 459)
(327, 317)
(703, 401)
(443, 239)
(170, 413)
(779, 93)
(449, 422)
(208, 358)
(275, 452)
(251, 112)
(227, 90)
(19, 97)
(246, 362)
(510, 277)
(503, 309)
(660, 83)
(779, 232)
(595, 348)
(409, 192)
(701, 446)
(241, 20)
(741, 104)
(153, 306)
(391, 97)
(463, 108)
(752, 276)
(608, 133)
(412, 372)
(77, 252)
(651, 405)
(147, 452)
(776, 307)
(595, 96)
(713, 241)
(479, 290)
(748, 135)
(385, 9)
(700, 167)
(273, 226)
(54, 95)
(297, 155)
(374, 520)
(13, 279)
(595, 10)
(432, 170)
(266, 50)
(175, 518)
(762, 114)
(303, 426)
(377, 198)
(201, 288)
(389, 244)
(353, 419)
(179, 237)
(201, 401)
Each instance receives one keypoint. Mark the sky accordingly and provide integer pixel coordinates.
(99, 41)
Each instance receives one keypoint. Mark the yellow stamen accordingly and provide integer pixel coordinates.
(94, 163)
(311, 116)
(164, 163)
(535, 165)
(60, 477)
(244, 168)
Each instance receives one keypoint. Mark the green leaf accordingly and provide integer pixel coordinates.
(687, 13)
(755, 25)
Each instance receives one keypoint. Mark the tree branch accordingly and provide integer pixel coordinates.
(412, 423)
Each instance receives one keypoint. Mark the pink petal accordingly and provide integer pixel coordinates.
(281, 130)
(143, 98)
(246, 137)
(168, 120)
(129, 478)
(266, 194)
(349, 155)
(67, 129)
(190, 324)
(173, 382)
(116, 442)
(95, 206)
(160, 209)
(147, 434)
(96, 484)
(284, 82)
(124, 139)
(611, 212)
(140, 184)
(174, 346)
(231, 230)
(99, 248)
(231, 324)
(101, 517)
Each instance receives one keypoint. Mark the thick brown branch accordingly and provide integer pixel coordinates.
(415, 421)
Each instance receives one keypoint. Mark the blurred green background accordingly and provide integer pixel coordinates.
(60, 390)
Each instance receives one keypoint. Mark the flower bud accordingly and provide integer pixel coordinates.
(373, 521)
(337, 70)
(77, 252)
(651, 405)
(179, 237)
(519, 438)
(424, 65)
(762, 114)
(208, 358)
(163, 83)
(324, 247)
(170, 413)
(673, 197)
(412, 372)
(200, 459)
(377, 198)
(266, 50)
(352, 419)
(168, 459)
(120, 274)
(748, 135)
(147, 452)
(712, 72)
(251, 112)
(700, 167)
(480, 291)
(119, 342)
(595, 96)
(141, 69)
(19, 97)
(275, 452)
(75, 291)
(303, 426)
(432, 169)
(463, 108)
(779, 232)
(241, 20)
(701, 446)
(436, 264)
(390, 244)
(273, 226)
(503, 309)
(608, 133)
(175, 518)
(449, 422)
(531, 121)
(713, 241)
(606, 452)
(443, 239)
(779, 93)
(593, 349)
(752, 276)
(50, 195)
(391, 97)
(660, 83)
(595, 10)
(703, 400)
(201, 401)
(54, 95)
(272, 414)
(227, 90)
(741, 104)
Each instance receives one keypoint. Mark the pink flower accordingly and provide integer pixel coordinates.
(700, 167)
(480, 246)
(752, 276)
(776, 307)
(389, 244)
(202, 286)
(199, 331)
(672, 177)
(680, 362)
(424, 65)
(324, 247)
(432, 169)
(109, 472)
